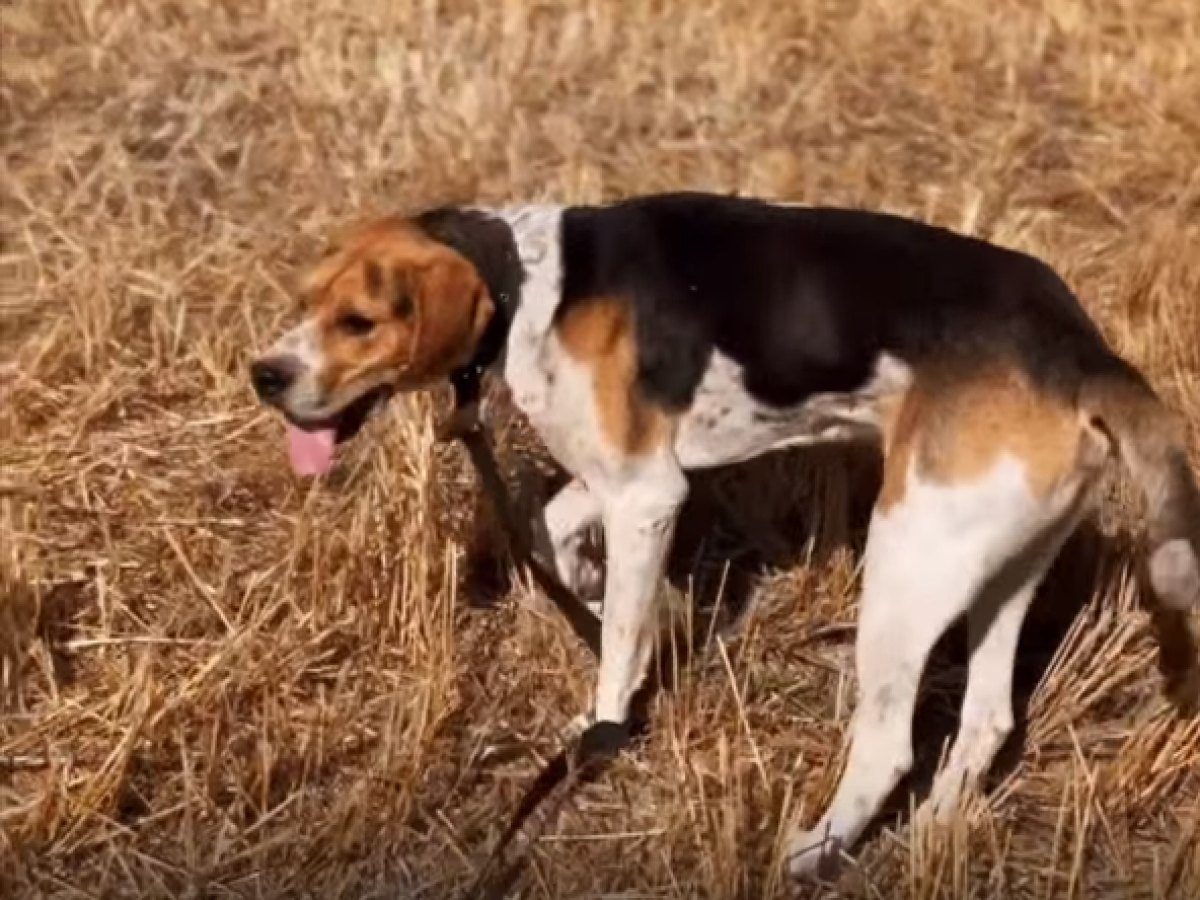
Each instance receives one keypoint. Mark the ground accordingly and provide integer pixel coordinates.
(222, 681)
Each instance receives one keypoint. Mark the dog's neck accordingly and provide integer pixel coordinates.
(537, 231)
(487, 242)
(515, 250)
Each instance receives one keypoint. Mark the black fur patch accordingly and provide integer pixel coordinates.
(805, 299)
(488, 243)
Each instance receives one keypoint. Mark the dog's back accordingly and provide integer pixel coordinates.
(806, 299)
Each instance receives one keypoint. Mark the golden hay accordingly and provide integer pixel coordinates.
(219, 681)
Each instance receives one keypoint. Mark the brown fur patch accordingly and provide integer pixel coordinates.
(425, 302)
(898, 423)
(956, 424)
(599, 334)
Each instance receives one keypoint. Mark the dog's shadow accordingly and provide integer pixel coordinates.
(725, 543)
(732, 530)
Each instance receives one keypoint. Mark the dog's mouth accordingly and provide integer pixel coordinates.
(311, 442)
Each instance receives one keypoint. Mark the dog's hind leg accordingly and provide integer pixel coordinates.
(971, 490)
(994, 624)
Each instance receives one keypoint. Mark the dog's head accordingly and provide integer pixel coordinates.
(387, 308)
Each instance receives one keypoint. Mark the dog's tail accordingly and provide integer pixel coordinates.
(1150, 440)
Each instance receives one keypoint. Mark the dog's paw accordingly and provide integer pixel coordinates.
(602, 741)
(576, 727)
(814, 855)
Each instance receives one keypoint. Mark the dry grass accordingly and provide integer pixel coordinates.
(218, 681)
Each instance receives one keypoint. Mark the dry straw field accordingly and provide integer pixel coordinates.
(221, 681)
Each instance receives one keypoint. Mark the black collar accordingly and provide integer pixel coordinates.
(488, 242)
(468, 380)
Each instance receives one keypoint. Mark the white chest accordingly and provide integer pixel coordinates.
(555, 394)
(547, 386)
(528, 364)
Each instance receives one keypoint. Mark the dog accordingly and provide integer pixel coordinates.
(655, 336)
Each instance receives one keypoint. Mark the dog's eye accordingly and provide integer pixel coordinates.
(353, 323)
(403, 304)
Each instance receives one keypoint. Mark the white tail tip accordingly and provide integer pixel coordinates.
(1175, 574)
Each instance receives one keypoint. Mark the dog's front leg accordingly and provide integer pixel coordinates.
(639, 514)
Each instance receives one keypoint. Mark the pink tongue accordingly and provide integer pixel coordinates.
(310, 452)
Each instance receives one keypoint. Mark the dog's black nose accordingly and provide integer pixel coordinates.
(271, 378)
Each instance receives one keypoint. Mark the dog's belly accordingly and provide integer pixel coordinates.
(727, 425)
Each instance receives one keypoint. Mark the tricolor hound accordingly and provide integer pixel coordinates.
(663, 334)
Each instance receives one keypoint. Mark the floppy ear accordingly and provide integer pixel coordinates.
(317, 276)
(452, 308)
(340, 248)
